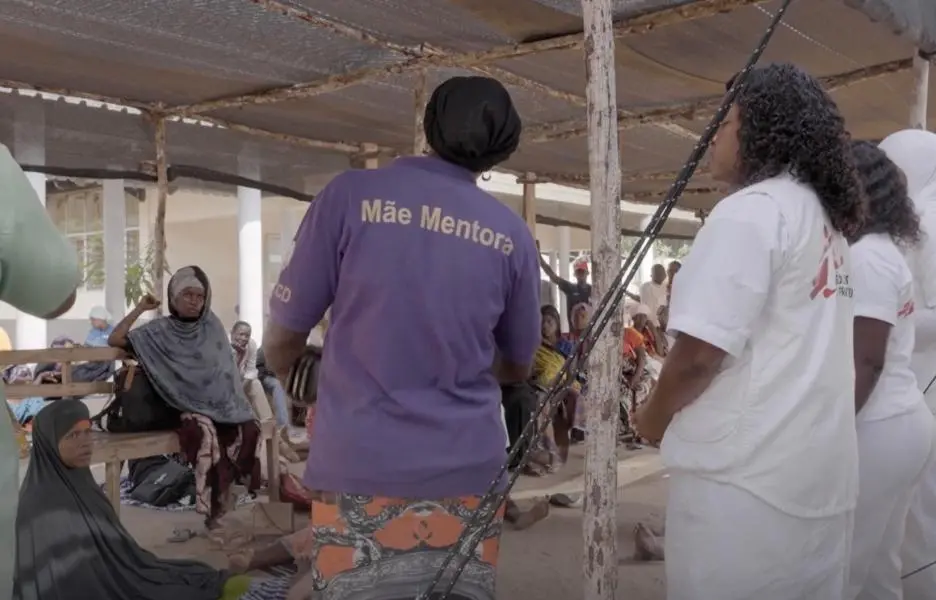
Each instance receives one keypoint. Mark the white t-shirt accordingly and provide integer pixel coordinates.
(884, 291)
(654, 296)
(922, 262)
(767, 281)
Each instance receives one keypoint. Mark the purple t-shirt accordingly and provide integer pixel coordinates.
(427, 276)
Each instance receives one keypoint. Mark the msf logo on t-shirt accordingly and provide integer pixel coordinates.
(829, 280)
(906, 310)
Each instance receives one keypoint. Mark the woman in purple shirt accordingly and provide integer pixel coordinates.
(408, 436)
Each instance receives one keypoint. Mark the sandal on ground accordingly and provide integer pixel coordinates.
(181, 535)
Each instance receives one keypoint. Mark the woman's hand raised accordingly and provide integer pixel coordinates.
(148, 302)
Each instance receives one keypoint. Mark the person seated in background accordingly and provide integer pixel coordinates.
(101, 327)
(52, 372)
(82, 371)
(69, 540)
(187, 358)
(547, 363)
(640, 319)
(580, 314)
(24, 410)
(636, 382)
(281, 404)
(245, 353)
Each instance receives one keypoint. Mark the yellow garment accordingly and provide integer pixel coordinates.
(235, 587)
(5, 343)
(546, 365)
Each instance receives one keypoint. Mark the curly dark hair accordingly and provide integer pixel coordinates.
(789, 123)
(889, 207)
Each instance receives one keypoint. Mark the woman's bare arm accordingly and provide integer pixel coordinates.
(118, 337)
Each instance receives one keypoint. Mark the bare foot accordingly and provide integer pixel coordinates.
(647, 547)
(528, 518)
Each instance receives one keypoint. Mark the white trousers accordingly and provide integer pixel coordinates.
(919, 545)
(723, 543)
(892, 456)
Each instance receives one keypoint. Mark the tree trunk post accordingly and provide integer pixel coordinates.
(604, 365)
(528, 208)
(367, 158)
(920, 95)
(159, 229)
(420, 97)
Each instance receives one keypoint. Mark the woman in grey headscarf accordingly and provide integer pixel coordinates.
(69, 541)
(188, 360)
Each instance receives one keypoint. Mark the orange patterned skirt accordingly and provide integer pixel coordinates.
(377, 548)
(371, 548)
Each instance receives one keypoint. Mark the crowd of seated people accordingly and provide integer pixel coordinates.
(26, 409)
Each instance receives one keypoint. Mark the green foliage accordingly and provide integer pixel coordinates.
(141, 275)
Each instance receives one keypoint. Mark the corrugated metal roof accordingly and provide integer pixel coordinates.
(183, 52)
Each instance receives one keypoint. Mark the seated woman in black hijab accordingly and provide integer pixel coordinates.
(70, 545)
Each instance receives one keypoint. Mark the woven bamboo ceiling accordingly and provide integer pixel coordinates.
(307, 85)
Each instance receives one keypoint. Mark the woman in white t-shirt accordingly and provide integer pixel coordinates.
(759, 416)
(914, 151)
(895, 428)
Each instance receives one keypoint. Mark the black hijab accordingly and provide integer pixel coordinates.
(70, 543)
(472, 122)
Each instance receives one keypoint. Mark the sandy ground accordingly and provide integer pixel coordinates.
(542, 562)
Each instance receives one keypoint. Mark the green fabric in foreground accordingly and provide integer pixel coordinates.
(235, 587)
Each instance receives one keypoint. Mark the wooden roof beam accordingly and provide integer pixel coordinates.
(423, 57)
(350, 148)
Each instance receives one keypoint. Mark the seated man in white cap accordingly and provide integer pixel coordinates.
(101, 327)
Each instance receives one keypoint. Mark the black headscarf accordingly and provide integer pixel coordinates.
(70, 543)
(472, 122)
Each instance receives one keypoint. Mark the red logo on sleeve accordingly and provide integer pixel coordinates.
(906, 310)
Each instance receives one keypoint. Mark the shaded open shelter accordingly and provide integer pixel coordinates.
(306, 85)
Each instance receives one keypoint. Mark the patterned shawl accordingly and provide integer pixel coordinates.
(189, 361)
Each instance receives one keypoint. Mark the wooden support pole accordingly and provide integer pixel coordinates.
(420, 97)
(367, 158)
(920, 95)
(599, 519)
(529, 200)
(159, 229)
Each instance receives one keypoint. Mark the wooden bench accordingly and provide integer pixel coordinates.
(113, 449)
(66, 356)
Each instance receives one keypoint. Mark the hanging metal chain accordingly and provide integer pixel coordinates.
(463, 550)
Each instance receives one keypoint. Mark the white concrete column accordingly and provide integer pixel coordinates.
(646, 265)
(250, 252)
(289, 224)
(920, 94)
(115, 247)
(552, 257)
(29, 148)
(563, 256)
